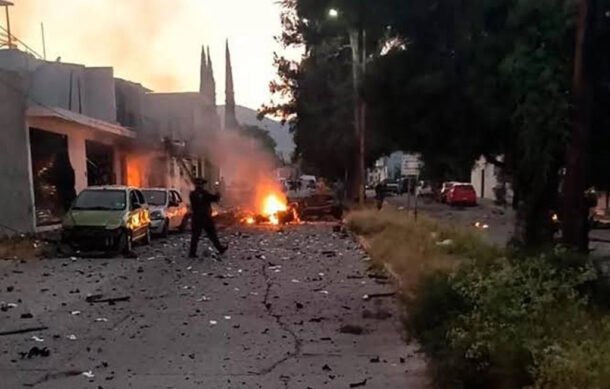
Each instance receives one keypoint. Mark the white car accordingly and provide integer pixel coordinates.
(168, 211)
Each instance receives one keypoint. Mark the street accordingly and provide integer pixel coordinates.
(284, 309)
(499, 220)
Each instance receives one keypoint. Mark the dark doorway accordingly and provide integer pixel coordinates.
(100, 164)
(52, 174)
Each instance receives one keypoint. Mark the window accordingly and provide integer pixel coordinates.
(140, 196)
(112, 200)
(177, 197)
(156, 197)
(133, 200)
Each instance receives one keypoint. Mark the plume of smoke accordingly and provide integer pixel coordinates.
(247, 168)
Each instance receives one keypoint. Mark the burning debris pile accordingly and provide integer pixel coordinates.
(274, 209)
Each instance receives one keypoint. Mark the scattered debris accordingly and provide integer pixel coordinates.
(358, 384)
(88, 374)
(111, 300)
(37, 339)
(71, 337)
(213, 322)
(75, 313)
(101, 319)
(326, 368)
(375, 359)
(26, 315)
(35, 352)
(351, 329)
(5, 307)
(377, 295)
(445, 243)
(23, 331)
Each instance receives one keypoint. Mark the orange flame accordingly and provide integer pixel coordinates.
(136, 170)
(272, 205)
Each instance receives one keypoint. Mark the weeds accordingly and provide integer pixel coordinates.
(489, 318)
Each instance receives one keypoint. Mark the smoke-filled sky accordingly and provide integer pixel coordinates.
(158, 42)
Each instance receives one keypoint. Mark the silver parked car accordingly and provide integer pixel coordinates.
(167, 210)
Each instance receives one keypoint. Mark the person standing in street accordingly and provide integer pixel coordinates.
(201, 205)
(380, 195)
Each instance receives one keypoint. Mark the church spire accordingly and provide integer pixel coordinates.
(230, 118)
(203, 72)
(212, 81)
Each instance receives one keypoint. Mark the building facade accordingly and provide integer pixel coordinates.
(65, 127)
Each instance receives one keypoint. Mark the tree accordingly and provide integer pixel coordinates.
(316, 95)
(485, 78)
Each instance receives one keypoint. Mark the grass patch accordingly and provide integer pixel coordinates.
(489, 318)
(411, 248)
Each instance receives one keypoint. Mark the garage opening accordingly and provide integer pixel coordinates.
(100, 164)
(52, 174)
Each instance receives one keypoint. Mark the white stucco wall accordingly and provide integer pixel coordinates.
(483, 169)
(16, 193)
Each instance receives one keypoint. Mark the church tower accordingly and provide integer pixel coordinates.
(230, 118)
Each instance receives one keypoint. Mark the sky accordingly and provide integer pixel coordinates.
(158, 42)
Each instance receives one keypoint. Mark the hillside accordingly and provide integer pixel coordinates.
(279, 133)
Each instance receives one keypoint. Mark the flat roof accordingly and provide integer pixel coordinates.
(73, 117)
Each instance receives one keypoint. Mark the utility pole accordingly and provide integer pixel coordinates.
(44, 43)
(7, 4)
(575, 224)
(357, 39)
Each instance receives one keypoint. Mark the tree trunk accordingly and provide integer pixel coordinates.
(574, 223)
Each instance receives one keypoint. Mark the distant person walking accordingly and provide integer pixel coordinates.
(379, 195)
(201, 205)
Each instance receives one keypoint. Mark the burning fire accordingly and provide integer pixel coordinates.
(272, 208)
(272, 205)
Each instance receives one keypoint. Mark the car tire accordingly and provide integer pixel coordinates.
(147, 238)
(184, 224)
(165, 230)
(125, 243)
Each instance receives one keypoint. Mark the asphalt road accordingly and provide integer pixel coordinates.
(500, 222)
(284, 309)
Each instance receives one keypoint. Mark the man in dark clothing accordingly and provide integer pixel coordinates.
(379, 195)
(201, 205)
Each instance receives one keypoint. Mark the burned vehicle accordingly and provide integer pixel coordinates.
(168, 212)
(108, 218)
(317, 206)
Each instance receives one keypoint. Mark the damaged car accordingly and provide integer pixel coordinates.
(108, 218)
(168, 212)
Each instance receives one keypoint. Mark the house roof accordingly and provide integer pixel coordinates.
(73, 117)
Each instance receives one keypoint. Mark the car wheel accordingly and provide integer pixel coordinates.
(125, 243)
(165, 231)
(184, 224)
(147, 237)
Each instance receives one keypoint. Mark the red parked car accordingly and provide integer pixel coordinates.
(462, 194)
